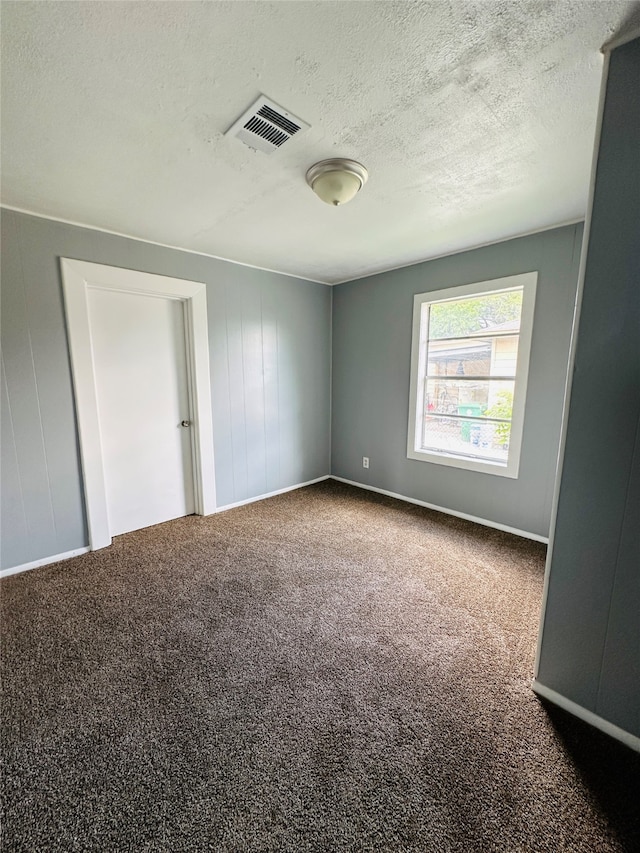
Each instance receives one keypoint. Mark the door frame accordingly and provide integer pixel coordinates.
(77, 278)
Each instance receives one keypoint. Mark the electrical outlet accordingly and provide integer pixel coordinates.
(365, 461)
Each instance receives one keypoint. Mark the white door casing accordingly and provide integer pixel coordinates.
(78, 278)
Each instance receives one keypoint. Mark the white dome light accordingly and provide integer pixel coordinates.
(337, 181)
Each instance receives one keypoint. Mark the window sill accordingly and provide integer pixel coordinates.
(498, 469)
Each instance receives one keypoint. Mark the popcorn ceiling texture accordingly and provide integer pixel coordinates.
(475, 119)
(322, 671)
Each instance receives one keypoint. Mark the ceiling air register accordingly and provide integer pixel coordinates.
(266, 126)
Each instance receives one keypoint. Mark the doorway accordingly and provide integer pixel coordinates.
(140, 362)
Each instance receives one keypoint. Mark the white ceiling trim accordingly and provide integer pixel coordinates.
(293, 275)
(608, 46)
(155, 243)
(461, 251)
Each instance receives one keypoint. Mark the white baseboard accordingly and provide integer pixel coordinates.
(66, 556)
(56, 558)
(588, 716)
(516, 532)
(271, 494)
(45, 561)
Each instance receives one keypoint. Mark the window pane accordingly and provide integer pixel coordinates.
(484, 356)
(492, 398)
(474, 439)
(470, 348)
(494, 312)
(462, 357)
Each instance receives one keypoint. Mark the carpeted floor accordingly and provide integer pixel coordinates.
(323, 671)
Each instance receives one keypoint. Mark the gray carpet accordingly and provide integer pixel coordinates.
(323, 671)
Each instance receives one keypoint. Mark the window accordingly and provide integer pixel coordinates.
(469, 366)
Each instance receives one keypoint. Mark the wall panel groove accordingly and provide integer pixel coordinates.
(258, 386)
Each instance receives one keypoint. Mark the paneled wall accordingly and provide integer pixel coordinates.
(590, 645)
(269, 339)
(372, 321)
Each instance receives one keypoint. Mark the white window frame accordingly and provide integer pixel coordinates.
(528, 282)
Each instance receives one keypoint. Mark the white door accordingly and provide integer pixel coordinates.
(141, 380)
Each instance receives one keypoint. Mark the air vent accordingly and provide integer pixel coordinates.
(266, 127)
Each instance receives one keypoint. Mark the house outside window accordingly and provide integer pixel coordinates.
(469, 369)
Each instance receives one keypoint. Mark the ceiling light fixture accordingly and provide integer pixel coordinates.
(337, 181)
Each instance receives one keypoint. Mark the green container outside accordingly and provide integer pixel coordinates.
(473, 410)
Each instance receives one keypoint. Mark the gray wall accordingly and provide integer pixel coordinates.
(270, 376)
(371, 369)
(590, 647)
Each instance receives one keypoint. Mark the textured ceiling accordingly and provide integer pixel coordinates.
(475, 120)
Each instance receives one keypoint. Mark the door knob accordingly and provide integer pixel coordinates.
(186, 423)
